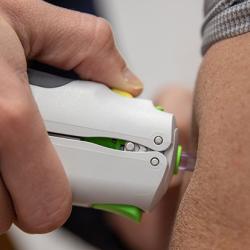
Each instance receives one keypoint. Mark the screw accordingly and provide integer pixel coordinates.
(158, 140)
(154, 161)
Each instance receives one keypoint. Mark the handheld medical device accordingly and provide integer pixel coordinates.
(119, 153)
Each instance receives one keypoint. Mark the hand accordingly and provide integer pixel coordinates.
(155, 228)
(34, 191)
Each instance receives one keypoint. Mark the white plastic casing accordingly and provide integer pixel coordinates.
(102, 175)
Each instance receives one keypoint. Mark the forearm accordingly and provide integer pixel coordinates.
(215, 211)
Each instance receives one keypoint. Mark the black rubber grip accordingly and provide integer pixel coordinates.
(46, 80)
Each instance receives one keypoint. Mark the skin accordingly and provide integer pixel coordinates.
(5, 242)
(34, 191)
(214, 213)
(156, 227)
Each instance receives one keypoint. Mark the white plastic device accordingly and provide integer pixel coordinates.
(83, 119)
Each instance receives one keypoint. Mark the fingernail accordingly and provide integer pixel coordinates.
(131, 80)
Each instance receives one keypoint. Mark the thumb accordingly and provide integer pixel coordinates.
(75, 41)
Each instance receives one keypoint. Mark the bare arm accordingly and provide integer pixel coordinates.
(215, 211)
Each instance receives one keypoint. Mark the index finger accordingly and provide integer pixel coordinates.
(30, 168)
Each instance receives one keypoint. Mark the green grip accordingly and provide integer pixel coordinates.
(128, 211)
(178, 159)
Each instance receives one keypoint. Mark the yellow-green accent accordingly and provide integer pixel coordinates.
(178, 159)
(106, 142)
(160, 108)
(122, 93)
(128, 211)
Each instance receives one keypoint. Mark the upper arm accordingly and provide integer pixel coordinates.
(215, 211)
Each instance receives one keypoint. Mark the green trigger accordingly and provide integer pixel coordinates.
(159, 107)
(106, 142)
(128, 211)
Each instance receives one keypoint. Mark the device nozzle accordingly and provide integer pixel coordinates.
(187, 162)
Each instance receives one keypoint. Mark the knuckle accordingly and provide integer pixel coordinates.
(13, 114)
(12, 10)
(104, 28)
(103, 36)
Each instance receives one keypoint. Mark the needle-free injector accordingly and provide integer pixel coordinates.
(119, 153)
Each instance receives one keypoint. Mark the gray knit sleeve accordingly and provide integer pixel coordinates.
(224, 19)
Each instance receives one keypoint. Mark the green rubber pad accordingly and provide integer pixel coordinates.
(160, 108)
(128, 211)
(106, 142)
(178, 159)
